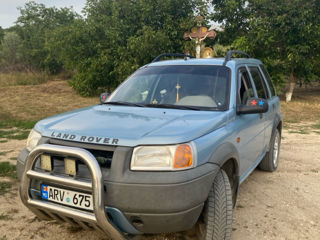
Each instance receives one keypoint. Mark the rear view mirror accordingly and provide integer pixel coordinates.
(104, 97)
(254, 105)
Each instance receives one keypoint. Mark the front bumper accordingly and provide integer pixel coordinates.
(146, 202)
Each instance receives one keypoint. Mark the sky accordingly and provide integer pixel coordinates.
(9, 12)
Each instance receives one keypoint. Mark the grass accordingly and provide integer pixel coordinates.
(316, 126)
(11, 128)
(7, 170)
(299, 131)
(22, 106)
(4, 217)
(13, 123)
(5, 153)
(5, 187)
(23, 78)
(14, 134)
(304, 107)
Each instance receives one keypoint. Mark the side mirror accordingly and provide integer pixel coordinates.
(254, 105)
(104, 97)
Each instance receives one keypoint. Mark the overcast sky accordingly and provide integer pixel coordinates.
(9, 12)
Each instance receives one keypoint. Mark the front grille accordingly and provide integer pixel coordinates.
(104, 158)
(102, 153)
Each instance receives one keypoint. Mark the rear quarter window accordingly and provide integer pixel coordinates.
(259, 82)
(269, 81)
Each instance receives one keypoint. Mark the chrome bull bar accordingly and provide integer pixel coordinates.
(98, 217)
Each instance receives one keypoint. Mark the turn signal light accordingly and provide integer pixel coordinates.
(183, 156)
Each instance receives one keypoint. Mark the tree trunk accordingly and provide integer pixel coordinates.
(291, 85)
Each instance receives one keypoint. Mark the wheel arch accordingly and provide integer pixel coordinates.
(277, 124)
(227, 157)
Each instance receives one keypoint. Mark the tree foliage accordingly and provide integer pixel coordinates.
(33, 26)
(285, 34)
(117, 37)
(11, 51)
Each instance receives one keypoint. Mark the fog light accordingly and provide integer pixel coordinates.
(46, 162)
(70, 166)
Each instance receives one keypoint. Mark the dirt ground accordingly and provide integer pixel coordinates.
(280, 205)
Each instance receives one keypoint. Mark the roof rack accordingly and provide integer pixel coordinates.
(229, 55)
(185, 56)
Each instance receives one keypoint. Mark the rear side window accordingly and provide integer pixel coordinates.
(268, 78)
(259, 83)
(245, 86)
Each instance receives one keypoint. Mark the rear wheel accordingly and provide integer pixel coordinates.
(215, 222)
(271, 160)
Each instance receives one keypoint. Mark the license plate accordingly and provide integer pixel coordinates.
(67, 197)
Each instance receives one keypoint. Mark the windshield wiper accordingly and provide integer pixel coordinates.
(173, 106)
(125, 104)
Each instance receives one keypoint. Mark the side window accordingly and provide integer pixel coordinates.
(268, 78)
(259, 83)
(245, 86)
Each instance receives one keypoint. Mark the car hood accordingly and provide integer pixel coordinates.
(131, 126)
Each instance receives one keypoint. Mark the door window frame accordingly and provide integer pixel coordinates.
(239, 69)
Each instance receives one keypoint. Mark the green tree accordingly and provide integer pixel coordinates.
(285, 34)
(10, 52)
(233, 15)
(34, 25)
(117, 37)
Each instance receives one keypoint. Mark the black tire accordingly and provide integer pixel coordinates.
(215, 222)
(270, 161)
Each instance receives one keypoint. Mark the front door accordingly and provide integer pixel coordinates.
(250, 127)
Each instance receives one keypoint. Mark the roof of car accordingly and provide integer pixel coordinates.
(207, 61)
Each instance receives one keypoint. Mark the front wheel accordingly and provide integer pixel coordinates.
(271, 160)
(215, 222)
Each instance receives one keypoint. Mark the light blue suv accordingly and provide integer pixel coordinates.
(165, 152)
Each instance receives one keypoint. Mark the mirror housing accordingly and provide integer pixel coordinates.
(104, 97)
(254, 105)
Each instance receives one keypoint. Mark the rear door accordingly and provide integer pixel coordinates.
(262, 91)
(274, 105)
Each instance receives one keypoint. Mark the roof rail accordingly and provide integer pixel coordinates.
(185, 56)
(229, 55)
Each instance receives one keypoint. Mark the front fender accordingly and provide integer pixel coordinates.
(223, 153)
(223, 156)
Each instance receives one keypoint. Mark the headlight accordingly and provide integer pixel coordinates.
(163, 158)
(33, 140)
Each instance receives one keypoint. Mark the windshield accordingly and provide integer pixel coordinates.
(197, 86)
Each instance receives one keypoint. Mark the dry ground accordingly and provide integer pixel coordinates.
(280, 205)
